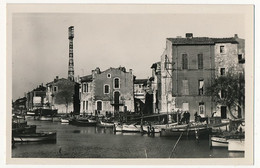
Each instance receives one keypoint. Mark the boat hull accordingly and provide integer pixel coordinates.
(131, 128)
(218, 142)
(64, 120)
(43, 118)
(105, 124)
(172, 132)
(36, 137)
(82, 123)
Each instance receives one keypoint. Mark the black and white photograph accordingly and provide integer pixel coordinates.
(152, 83)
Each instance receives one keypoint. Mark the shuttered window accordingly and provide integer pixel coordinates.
(201, 87)
(184, 61)
(185, 87)
(200, 61)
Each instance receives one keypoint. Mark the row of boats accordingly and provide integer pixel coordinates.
(217, 133)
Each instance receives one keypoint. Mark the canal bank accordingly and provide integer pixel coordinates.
(94, 142)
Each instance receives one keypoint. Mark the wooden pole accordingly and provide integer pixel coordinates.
(175, 145)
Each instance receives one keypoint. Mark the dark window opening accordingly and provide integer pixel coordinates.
(106, 89)
(222, 49)
(200, 61)
(184, 61)
(116, 83)
(222, 71)
(99, 105)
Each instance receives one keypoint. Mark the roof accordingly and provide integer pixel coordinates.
(201, 41)
(140, 81)
(87, 78)
(56, 80)
(225, 40)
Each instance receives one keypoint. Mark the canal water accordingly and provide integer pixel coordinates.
(93, 142)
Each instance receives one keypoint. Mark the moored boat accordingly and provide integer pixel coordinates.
(105, 124)
(187, 130)
(64, 120)
(131, 128)
(35, 137)
(45, 118)
(82, 122)
(217, 141)
(118, 127)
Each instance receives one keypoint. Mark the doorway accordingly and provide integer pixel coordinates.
(116, 101)
(223, 112)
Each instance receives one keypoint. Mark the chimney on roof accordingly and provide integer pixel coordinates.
(189, 35)
(235, 35)
(130, 71)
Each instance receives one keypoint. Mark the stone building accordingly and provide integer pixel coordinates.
(189, 65)
(229, 58)
(63, 94)
(107, 91)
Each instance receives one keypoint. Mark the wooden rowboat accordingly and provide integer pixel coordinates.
(35, 137)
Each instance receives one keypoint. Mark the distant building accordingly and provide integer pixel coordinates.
(140, 86)
(107, 91)
(63, 95)
(19, 106)
(36, 98)
(140, 89)
(189, 65)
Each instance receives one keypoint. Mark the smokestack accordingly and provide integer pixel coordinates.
(71, 62)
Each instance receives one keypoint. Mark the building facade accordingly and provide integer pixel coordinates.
(229, 58)
(189, 65)
(63, 95)
(109, 91)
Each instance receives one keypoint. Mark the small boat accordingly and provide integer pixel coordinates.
(118, 127)
(35, 137)
(45, 118)
(217, 141)
(236, 145)
(64, 120)
(188, 130)
(105, 124)
(30, 113)
(156, 128)
(131, 128)
(82, 122)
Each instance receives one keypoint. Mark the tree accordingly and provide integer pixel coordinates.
(229, 90)
(65, 95)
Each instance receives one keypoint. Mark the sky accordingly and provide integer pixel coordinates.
(40, 45)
